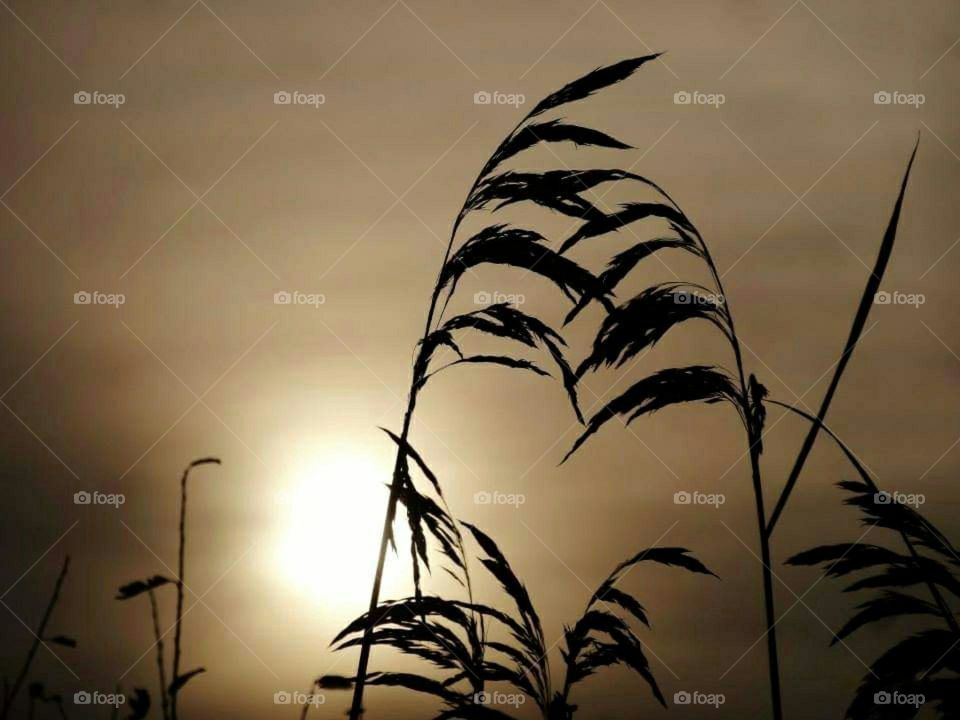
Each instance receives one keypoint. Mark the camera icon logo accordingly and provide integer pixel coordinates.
(82, 298)
(482, 498)
(882, 97)
(883, 498)
(882, 298)
(82, 698)
(282, 97)
(482, 698)
(282, 298)
(482, 97)
(282, 698)
(482, 298)
(681, 698)
(682, 97)
(82, 98)
(682, 498)
(882, 698)
(82, 498)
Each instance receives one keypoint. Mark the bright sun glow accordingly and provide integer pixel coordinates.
(331, 516)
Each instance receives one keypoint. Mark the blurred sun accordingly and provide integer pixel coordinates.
(330, 520)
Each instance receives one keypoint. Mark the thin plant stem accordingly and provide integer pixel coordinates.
(179, 613)
(306, 705)
(753, 440)
(177, 635)
(164, 697)
(856, 330)
(356, 707)
(38, 639)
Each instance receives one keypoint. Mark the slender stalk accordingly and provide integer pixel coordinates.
(180, 585)
(38, 635)
(180, 563)
(356, 707)
(164, 697)
(306, 705)
(773, 660)
(754, 445)
(856, 330)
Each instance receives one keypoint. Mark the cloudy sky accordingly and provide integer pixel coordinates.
(182, 198)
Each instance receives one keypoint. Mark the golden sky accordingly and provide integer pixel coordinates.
(197, 198)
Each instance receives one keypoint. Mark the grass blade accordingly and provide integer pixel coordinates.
(856, 330)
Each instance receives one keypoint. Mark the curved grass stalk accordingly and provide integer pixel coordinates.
(642, 321)
(856, 330)
(554, 192)
(178, 680)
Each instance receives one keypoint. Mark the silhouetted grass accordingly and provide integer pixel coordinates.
(922, 664)
(445, 634)
(502, 245)
(36, 690)
(636, 325)
(140, 704)
(630, 327)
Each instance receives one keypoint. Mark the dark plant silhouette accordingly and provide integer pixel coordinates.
(36, 690)
(501, 244)
(630, 327)
(637, 324)
(38, 695)
(446, 634)
(134, 589)
(168, 693)
(923, 668)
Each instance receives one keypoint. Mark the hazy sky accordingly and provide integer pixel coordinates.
(198, 198)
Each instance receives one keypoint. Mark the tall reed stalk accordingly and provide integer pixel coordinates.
(168, 692)
(500, 244)
(643, 320)
(628, 329)
(161, 672)
(180, 680)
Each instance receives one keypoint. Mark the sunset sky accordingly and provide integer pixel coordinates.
(197, 198)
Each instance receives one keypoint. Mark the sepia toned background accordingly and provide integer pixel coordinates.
(199, 198)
